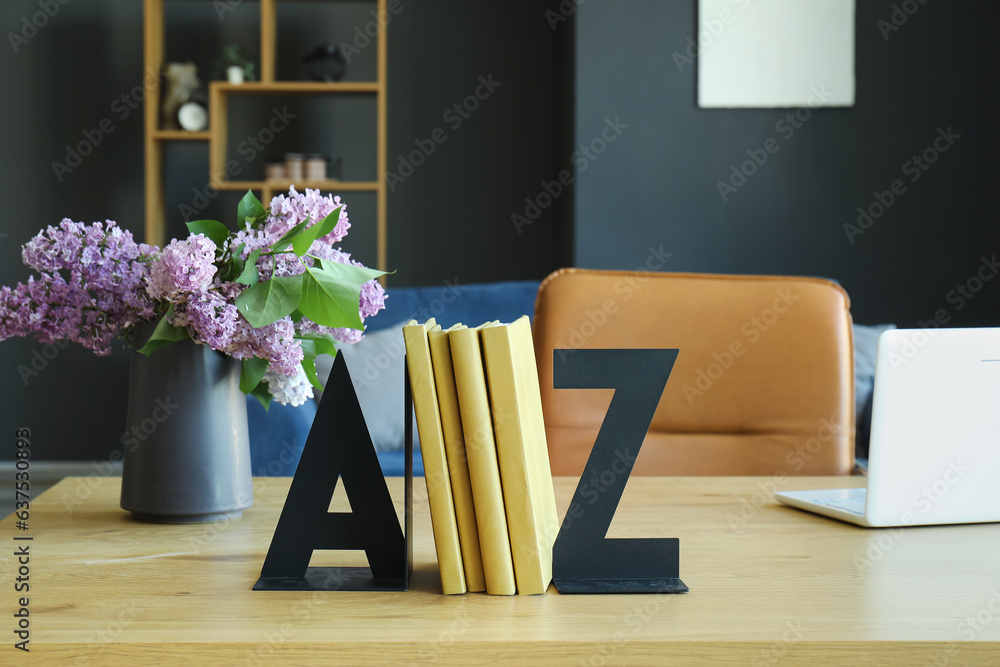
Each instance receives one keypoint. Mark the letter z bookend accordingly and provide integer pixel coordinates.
(339, 446)
(583, 559)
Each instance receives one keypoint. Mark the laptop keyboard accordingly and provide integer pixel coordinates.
(852, 505)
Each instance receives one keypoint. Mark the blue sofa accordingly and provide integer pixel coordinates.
(376, 365)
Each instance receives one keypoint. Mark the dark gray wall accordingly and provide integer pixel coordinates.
(450, 219)
(657, 183)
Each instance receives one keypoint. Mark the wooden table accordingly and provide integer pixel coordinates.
(768, 583)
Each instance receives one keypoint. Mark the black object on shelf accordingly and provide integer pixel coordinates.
(325, 63)
(583, 560)
(339, 446)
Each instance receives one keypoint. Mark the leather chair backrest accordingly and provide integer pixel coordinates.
(762, 385)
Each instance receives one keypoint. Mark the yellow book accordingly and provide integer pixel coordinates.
(458, 466)
(529, 497)
(439, 497)
(484, 470)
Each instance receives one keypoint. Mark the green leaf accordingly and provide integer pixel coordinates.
(289, 236)
(309, 367)
(325, 344)
(347, 272)
(329, 223)
(249, 274)
(249, 209)
(329, 301)
(308, 348)
(305, 240)
(263, 395)
(235, 266)
(252, 373)
(270, 300)
(213, 229)
(164, 334)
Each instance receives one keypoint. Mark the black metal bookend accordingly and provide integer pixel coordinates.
(584, 560)
(339, 446)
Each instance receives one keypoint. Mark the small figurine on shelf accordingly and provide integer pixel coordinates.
(233, 66)
(325, 63)
(181, 86)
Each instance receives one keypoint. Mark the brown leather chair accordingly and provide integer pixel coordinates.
(762, 385)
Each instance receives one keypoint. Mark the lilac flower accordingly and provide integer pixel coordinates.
(90, 288)
(286, 212)
(294, 390)
(95, 283)
(182, 268)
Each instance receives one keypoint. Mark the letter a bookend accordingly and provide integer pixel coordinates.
(583, 559)
(339, 446)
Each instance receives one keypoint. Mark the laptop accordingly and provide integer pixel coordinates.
(934, 455)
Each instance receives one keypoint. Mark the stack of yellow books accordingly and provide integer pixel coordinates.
(482, 437)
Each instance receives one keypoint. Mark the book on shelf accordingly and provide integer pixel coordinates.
(484, 470)
(457, 463)
(432, 448)
(529, 496)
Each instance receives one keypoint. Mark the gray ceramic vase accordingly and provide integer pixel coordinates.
(187, 449)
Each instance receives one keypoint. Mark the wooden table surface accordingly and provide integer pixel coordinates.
(769, 585)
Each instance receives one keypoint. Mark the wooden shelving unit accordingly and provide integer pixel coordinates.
(216, 137)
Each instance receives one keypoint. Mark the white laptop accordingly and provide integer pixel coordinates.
(934, 455)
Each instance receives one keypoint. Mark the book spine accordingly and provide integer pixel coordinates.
(439, 495)
(529, 497)
(458, 466)
(484, 470)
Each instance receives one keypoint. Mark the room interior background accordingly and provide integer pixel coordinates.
(481, 206)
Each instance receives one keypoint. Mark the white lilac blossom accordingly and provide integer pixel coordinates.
(289, 390)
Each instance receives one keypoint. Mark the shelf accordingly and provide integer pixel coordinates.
(181, 135)
(342, 186)
(219, 93)
(287, 87)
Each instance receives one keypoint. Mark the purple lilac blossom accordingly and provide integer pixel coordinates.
(183, 268)
(286, 212)
(90, 288)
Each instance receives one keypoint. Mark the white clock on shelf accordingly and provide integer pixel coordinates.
(193, 116)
